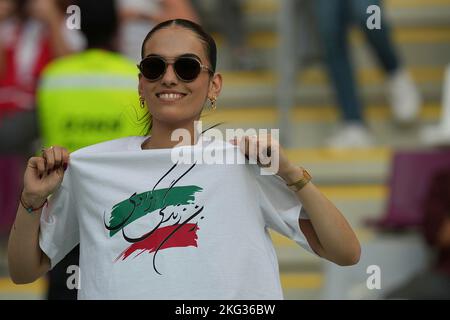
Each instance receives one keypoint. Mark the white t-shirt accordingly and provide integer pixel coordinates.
(152, 229)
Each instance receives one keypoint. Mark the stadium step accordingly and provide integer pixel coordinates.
(312, 88)
(261, 14)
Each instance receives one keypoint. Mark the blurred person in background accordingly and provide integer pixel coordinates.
(333, 18)
(137, 17)
(433, 283)
(87, 98)
(32, 33)
(229, 19)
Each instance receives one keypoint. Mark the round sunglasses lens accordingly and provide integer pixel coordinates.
(187, 69)
(153, 68)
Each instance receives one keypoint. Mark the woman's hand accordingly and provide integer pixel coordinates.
(267, 152)
(44, 175)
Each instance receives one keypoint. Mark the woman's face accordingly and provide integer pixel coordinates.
(186, 99)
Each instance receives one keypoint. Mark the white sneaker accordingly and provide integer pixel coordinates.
(436, 135)
(351, 136)
(404, 97)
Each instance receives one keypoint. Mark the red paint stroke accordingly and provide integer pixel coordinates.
(184, 237)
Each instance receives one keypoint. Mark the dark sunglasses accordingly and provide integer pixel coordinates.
(186, 68)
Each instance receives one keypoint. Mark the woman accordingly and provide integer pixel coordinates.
(197, 238)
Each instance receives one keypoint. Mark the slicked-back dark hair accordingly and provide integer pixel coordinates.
(208, 42)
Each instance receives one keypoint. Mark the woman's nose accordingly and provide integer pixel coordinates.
(169, 77)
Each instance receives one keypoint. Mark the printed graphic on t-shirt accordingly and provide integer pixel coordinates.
(176, 213)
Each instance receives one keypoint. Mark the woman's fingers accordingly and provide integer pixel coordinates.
(55, 158)
(49, 157)
(264, 150)
(252, 147)
(44, 174)
(38, 164)
(57, 153)
(65, 157)
(257, 148)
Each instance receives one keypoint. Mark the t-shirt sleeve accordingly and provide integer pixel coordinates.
(59, 232)
(281, 208)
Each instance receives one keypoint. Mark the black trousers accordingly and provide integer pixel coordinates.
(57, 277)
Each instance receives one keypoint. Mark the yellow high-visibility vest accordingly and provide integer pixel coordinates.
(88, 98)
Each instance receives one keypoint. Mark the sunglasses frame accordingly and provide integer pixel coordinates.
(166, 63)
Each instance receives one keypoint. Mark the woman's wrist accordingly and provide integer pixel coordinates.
(291, 174)
(32, 200)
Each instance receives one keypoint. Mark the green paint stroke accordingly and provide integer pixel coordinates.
(147, 202)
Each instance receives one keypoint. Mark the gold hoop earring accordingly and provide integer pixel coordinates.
(213, 103)
(142, 102)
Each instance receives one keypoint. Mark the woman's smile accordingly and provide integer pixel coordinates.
(170, 96)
